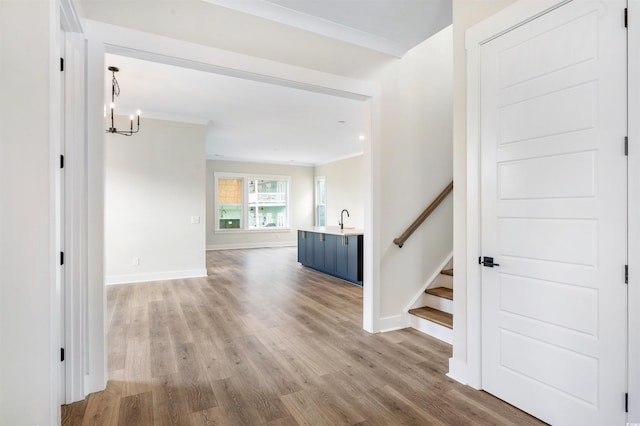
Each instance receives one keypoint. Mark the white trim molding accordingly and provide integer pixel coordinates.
(69, 17)
(392, 323)
(155, 276)
(241, 246)
(314, 24)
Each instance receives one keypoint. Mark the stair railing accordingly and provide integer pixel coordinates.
(423, 216)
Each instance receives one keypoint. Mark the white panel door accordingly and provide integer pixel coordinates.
(553, 195)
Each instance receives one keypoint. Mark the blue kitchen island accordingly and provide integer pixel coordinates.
(332, 250)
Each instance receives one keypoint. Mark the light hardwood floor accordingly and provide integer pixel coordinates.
(263, 340)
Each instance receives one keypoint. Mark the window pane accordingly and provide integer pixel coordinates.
(268, 203)
(229, 203)
(230, 191)
(321, 201)
(321, 215)
(321, 191)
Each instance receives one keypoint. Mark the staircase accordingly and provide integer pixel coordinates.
(434, 316)
(432, 312)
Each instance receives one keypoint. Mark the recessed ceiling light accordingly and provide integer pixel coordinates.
(361, 137)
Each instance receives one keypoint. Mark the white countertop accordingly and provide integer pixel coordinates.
(333, 230)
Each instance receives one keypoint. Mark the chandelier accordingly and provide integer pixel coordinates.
(115, 91)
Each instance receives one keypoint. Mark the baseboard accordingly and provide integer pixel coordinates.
(457, 371)
(155, 276)
(240, 246)
(392, 323)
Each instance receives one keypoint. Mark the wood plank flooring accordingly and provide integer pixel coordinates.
(265, 341)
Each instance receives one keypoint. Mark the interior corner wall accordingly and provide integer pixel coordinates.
(300, 199)
(154, 192)
(28, 293)
(466, 13)
(345, 190)
(416, 153)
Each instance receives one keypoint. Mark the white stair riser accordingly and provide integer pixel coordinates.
(432, 329)
(443, 281)
(439, 303)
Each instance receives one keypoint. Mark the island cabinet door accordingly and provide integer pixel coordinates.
(330, 242)
(354, 258)
(302, 247)
(342, 257)
(318, 251)
(308, 242)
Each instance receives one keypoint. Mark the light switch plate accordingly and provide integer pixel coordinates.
(195, 220)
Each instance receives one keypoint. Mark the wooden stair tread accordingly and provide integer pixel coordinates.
(447, 272)
(444, 292)
(433, 315)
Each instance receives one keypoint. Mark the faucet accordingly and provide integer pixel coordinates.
(342, 219)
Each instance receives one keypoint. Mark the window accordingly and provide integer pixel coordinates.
(321, 201)
(229, 203)
(251, 202)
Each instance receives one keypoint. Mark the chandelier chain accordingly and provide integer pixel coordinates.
(115, 86)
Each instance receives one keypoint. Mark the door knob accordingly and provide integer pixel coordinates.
(487, 261)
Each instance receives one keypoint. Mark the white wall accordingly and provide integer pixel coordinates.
(466, 13)
(28, 293)
(416, 155)
(300, 199)
(155, 184)
(345, 190)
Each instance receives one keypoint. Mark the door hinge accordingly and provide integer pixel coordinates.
(61, 258)
(626, 145)
(61, 354)
(61, 64)
(626, 402)
(62, 161)
(626, 17)
(626, 274)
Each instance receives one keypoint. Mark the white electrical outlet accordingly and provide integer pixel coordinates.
(195, 220)
(136, 261)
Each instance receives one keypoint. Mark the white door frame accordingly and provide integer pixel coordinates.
(633, 131)
(104, 38)
(74, 209)
(505, 20)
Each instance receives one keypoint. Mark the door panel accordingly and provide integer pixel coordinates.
(553, 172)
